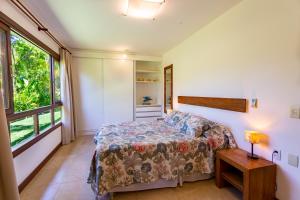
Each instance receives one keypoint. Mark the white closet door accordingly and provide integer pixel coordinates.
(88, 93)
(118, 90)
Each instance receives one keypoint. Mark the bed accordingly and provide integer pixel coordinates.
(133, 156)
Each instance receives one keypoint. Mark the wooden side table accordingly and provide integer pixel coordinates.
(256, 179)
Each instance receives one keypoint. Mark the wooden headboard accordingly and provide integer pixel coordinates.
(232, 104)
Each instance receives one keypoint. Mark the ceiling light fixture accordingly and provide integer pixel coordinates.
(143, 8)
(156, 1)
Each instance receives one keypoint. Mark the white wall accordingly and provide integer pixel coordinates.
(252, 51)
(26, 162)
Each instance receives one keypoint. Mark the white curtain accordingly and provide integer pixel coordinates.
(68, 119)
(8, 182)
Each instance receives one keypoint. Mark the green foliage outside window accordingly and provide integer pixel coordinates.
(57, 115)
(23, 129)
(44, 121)
(31, 75)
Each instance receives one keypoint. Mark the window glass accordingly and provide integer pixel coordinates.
(57, 115)
(57, 73)
(31, 75)
(3, 67)
(21, 130)
(44, 121)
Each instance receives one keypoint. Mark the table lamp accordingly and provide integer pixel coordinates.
(254, 137)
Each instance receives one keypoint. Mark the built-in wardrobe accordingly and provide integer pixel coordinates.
(112, 90)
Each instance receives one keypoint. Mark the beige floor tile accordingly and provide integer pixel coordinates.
(74, 191)
(64, 178)
(158, 194)
(125, 196)
(43, 192)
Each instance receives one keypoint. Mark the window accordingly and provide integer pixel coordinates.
(44, 121)
(31, 75)
(30, 87)
(21, 130)
(57, 115)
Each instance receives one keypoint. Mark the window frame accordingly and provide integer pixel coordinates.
(10, 108)
(54, 81)
(9, 25)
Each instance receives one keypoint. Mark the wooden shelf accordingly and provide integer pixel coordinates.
(256, 179)
(152, 105)
(147, 81)
(235, 179)
(147, 71)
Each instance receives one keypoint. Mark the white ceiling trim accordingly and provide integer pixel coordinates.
(113, 55)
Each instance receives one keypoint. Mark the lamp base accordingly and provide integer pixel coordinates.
(252, 156)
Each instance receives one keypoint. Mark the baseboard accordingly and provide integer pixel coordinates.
(37, 169)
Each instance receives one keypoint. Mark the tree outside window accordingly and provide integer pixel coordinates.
(31, 75)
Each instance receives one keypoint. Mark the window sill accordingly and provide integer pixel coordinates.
(34, 140)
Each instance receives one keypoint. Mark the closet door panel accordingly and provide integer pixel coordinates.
(118, 90)
(87, 74)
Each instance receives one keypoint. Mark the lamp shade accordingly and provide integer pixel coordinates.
(253, 137)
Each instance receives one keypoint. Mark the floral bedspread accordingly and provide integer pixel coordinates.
(144, 152)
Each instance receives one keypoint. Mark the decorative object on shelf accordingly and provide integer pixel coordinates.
(147, 100)
(254, 137)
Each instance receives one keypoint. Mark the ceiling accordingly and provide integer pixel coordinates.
(100, 25)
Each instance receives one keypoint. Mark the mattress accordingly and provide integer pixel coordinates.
(145, 153)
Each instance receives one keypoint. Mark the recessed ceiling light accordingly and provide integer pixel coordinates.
(143, 8)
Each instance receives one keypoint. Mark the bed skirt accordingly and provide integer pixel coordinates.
(155, 185)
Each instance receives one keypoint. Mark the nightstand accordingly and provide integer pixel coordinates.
(256, 179)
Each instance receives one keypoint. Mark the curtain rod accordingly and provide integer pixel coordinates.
(40, 26)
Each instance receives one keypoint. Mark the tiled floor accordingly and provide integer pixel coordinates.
(64, 178)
